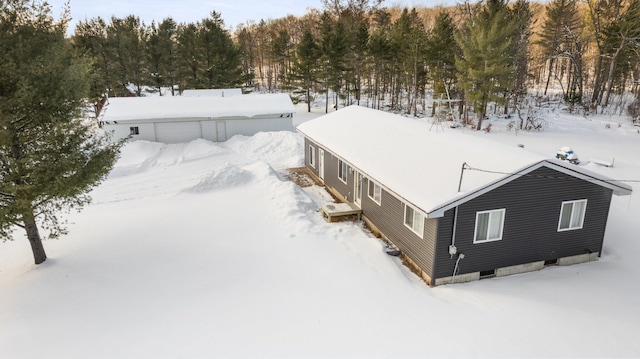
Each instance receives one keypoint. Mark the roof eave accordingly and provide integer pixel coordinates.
(618, 188)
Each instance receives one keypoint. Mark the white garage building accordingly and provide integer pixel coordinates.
(176, 119)
(212, 92)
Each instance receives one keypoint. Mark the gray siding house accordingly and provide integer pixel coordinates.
(177, 119)
(459, 207)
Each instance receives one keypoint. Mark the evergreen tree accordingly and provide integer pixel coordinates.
(127, 38)
(523, 17)
(561, 43)
(441, 49)
(189, 57)
(622, 42)
(305, 66)
(247, 43)
(604, 17)
(408, 39)
(485, 63)
(333, 44)
(221, 67)
(356, 59)
(380, 49)
(281, 47)
(161, 54)
(49, 157)
(90, 38)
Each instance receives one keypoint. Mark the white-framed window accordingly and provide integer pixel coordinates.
(375, 192)
(489, 226)
(342, 170)
(572, 215)
(312, 156)
(414, 220)
(134, 130)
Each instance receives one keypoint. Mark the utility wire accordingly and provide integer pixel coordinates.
(467, 167)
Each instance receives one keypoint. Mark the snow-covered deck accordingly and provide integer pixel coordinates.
(334, 212)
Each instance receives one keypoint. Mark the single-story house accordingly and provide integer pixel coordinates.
(175, 119)
(459, 207)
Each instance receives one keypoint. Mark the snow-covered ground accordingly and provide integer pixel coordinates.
(206, 250)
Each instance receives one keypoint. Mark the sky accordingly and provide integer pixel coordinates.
(233, 12)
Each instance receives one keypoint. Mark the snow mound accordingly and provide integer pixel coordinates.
(136, 152)
(281, 150)
(228, 176)
(135, 157)
(139, 156)
(201, 148)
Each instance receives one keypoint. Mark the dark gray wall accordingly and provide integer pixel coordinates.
(389, 218)
(530, 233)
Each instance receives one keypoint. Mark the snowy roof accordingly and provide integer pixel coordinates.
(422, 163)
(212, 92)
(179, 107)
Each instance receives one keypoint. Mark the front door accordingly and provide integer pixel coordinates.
(221, 131)
(321, 164)
(357, 199)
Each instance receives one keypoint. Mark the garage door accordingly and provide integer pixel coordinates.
(178, 132)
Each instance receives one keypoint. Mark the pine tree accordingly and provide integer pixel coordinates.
(523, 17)
(605, 19)
(90, 38)
(486, 63)
(408, 38)
(280, 49)
(333, 44)
(305, 70)
(356, 60)
(127, 38)
(49, 157)
(380, 49)
(561, 45)
(161, 54)
(221, 67)
(441, 49)
(189, 57)
(622, 39)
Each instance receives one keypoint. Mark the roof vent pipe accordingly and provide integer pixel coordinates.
(464, 165)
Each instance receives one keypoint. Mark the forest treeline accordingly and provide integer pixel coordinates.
(481, 53)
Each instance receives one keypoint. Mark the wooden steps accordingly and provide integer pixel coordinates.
(335, 212)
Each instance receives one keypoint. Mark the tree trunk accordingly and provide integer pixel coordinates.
(612, 66)
(33, 235)
(597, 87)
(546, 86)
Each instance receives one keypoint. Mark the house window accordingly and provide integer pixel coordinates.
(414, 220)
(134, 130)
(312, 156)
(572, 215)
(375, 192)
(342, 171)
(489, 225)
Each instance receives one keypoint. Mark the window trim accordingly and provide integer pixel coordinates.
(583, 215)
(312, 156)
(475, 231)
(342, 171)
(420, 231)
(369, 192)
